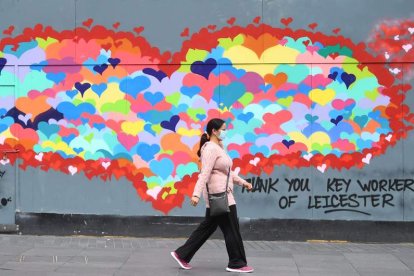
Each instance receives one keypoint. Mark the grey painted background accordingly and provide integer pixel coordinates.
(164, 20)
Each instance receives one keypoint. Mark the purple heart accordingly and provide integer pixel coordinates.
(333, 75)
(3, 62)
(152, 72)
(204, 68)
(114, 61)
(337, 120)
(100, 68)
(348, 79)
(171, 124)
(82, 87)
(288, 143)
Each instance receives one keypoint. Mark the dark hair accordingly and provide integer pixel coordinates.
(216, 124)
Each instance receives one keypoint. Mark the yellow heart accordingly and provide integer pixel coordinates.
(188, 132)
(132, 128)
(317, 137)
(321, 97)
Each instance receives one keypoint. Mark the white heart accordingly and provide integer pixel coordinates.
(411, 30)
(254, 161)
(308, 156)
(237, 170)
(397, 37)
(395, 70)
(322, 168)
(106, 164)
(4, 161)
(407, 47)
(39, 156)
(388, 138)
(367, 158)
(24, 118)
(2, 139)
(154, 192)
(387, 56)
(72, 169)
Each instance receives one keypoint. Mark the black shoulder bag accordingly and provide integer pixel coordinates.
(219, 204)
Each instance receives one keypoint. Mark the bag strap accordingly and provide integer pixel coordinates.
(227, 182)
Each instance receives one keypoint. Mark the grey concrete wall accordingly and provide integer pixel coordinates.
(164, 20)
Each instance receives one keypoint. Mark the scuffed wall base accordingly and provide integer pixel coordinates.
(181, 227)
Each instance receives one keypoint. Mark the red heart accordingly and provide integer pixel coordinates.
(334, 55)
(336, 31)
(286, 21)
(185, 32)
(9, 30)
(211, 27)
(138, 30)
(313, 25)
(88, 22)
(306, 42)
(231, 20)
(256, 20)
(116, 25)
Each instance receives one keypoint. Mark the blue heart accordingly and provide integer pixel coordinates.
(99, 88)
(201, 117)
(190, 91)
(311, 118)
(333, 75)
(100, 68)
(72, 93)
(147, 152)
(285, 94)
(337, 120)
(78, 150)
(262, 149)
(3, 62)
(114, 61)
(4, 123)
(288, 143)
(361, 120)
(99, 126)
(162, 168)
(348, 79)
(245, 117)
(134, 86)
(229, 94)
(69, 138)
(72, 112)
(56, 77)
(153, 99)
(203, 68)
(266, 87)
(171, 124)
(82, 87)
(47, 129)
(38, 66)
(148, 128)
(159, 75)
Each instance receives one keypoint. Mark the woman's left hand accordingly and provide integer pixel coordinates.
(248, 186)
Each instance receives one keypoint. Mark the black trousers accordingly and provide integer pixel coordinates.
(229, 225)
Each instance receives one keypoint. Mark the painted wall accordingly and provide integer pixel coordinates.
(106, 102)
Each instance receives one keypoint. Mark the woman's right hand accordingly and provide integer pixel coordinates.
(194, 200)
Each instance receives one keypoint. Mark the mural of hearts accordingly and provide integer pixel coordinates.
(143, 122)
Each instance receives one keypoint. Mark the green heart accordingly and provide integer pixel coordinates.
(286, 102)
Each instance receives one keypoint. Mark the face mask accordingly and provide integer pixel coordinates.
(222, 135)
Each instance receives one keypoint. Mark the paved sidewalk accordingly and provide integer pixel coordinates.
(50, 255)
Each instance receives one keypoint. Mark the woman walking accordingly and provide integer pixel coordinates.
(215, 166)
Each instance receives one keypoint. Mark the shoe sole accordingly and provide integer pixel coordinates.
(178, 261)
(238, 270)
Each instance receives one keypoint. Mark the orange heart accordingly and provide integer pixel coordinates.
(34, 106)
(277, 80)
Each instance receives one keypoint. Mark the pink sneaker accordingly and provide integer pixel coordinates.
(244, 269)
(183, 264)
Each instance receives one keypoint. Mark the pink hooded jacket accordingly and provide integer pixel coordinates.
(215, 163)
